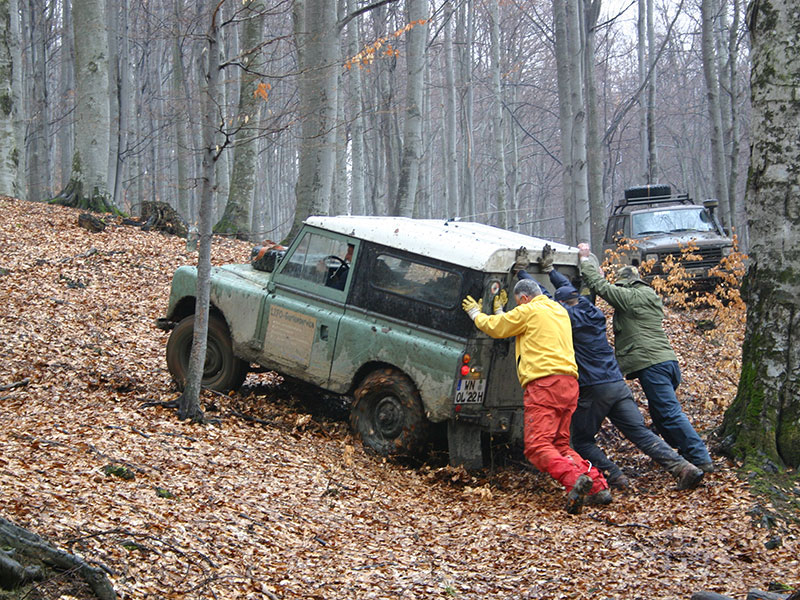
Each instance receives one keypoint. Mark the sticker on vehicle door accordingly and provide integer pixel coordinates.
(470, 391)
(291, 334)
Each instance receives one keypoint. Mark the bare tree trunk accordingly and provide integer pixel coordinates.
(357, 193)
(66, 128)
(181, 120)
(711, 74)
(450, 163)
(17, 95)
(412, 136)
(189, 402)
(763, 423)
(8, 150)
(39, 131)
(594, 150)
(577, 163)
(565, 113)
(316, 32)
(464, 40)
(88, 185)
(236, 218)
(652, 147)
(729, 80)
(497, 116)
(641, 61)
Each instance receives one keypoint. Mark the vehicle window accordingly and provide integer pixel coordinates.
(320, 260)
(670, 221)
(417, 281)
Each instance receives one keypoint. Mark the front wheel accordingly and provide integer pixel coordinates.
(222, 371)
(387, 413)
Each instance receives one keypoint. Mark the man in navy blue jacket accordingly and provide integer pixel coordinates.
(604, 393)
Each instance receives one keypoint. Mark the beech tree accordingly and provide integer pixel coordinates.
(8, 150)
(412, 140)
(763, 423)
(88, 184)
(236, 218)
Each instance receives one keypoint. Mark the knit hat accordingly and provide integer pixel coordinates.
(627, 275)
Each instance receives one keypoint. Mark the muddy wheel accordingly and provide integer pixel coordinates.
(387, 413)
(222, 372)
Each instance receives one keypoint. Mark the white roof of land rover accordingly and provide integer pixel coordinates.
(472, 245)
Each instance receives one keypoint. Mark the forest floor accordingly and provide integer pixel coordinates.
(289, 505)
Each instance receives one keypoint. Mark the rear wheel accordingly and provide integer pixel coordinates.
(387, 413)
(222, 371)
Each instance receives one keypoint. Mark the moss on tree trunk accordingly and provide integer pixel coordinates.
(72, 195)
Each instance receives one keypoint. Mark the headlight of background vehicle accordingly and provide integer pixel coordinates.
(651, 256)
(727, 250)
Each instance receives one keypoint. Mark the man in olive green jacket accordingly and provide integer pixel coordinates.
(644, 353)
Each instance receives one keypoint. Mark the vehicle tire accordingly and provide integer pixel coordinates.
(387, 414)
(222, 372)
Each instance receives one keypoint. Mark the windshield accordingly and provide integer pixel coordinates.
(671, 221)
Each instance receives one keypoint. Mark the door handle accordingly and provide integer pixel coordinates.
(323, 332)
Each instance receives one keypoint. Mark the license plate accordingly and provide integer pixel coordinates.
(470, 391)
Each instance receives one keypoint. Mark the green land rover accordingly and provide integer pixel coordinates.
(370, 307)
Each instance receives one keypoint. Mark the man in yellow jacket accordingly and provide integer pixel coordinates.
(549, 377)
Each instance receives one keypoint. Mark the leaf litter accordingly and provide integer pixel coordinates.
(278, 500)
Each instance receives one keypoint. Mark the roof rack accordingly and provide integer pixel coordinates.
(644, 195)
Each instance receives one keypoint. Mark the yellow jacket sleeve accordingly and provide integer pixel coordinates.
(543, 338)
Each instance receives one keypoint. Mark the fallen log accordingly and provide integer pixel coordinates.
(30, 544)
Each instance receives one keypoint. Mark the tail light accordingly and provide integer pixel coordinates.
(465, 364)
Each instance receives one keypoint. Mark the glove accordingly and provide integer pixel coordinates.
(471, 307)
(499, 302)
(546, 259)
(520, 259)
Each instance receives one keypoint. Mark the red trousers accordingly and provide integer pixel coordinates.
(549, 404)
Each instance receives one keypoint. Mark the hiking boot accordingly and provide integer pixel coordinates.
(689, 477)
(577, 495)
(601, 497)
(619, 481)
(706, 467)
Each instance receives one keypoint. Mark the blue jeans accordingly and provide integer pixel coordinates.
(659, 383)
(615, 401)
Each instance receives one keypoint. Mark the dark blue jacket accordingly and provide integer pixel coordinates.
(593, 353)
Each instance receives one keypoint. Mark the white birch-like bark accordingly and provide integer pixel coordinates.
(8, 150)
(564, 114)
(357, 186)
(412, 134)
(189, 401)
(711, 74)
(641, 62)
(316, 33)
(88, 186)
(236, 218)
(66, 129)
(38, 149)
(497, 116)
(464, 40)
(450, 165)
(178, 92)
(594, 151)
(17, 95)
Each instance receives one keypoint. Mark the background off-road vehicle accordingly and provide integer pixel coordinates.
(661, 223)
(371, 307)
